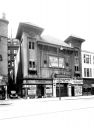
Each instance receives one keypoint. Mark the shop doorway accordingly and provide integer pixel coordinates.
(63, 90)
(40, 91)
(72, 91)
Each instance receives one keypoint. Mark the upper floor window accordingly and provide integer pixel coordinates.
(87, 72)
(1, 58)
(56, 62)
(76, 53)
(31, 45)
(87, 58)
(31, 64)
(76, 68)
(15, 51)
(8, 51)
(76, 61)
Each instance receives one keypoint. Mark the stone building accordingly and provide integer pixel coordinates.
(3, 57)
(47, 67)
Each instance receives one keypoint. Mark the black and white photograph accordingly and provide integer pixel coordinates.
(46, 63)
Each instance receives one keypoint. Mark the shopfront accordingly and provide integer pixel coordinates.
(76, 87)
(88, 86)
(37, 88)
(67, 87)
(60, 87)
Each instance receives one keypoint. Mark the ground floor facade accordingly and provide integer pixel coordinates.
(88, 86)
(57, 87)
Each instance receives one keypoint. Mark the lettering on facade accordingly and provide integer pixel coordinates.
(67, 80)
(37, 82)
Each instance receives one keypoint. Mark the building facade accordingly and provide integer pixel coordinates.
(3, 57)
(88, 72)
(48, 67)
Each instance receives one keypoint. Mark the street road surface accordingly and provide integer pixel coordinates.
(44, 113)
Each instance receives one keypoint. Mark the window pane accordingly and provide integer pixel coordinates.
(29, 45)
(32, 45)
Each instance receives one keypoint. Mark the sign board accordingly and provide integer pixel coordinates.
(67, 80)
(62, 80)
(76, 81)
(37, 82)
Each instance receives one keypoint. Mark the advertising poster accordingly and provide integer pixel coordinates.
(48, 90)
(78, 90)
(32, 90)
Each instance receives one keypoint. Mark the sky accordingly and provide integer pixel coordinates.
(59, 18)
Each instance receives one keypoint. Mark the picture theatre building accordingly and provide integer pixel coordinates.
(48, 67)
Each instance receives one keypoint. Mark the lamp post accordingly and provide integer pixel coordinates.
(61, 48)
(59, 78)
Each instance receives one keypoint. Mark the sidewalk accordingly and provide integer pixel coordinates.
(11, 101)
(5, 102)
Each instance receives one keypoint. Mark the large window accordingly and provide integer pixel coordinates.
(87, 72)
(87, 58)
(55, 62)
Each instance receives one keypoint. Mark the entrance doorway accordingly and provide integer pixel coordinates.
(72, 91)
(40, 91)
(63, 90)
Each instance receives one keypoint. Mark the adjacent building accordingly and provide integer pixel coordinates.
(88, 72)
(3, 57)
(47, 67)
(13, 46)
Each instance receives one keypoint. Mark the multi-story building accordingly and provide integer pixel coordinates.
(3, 57)
(88, 72)
(13, 46)
(47, 67)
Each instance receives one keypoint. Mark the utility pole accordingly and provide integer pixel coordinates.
(59, 78)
